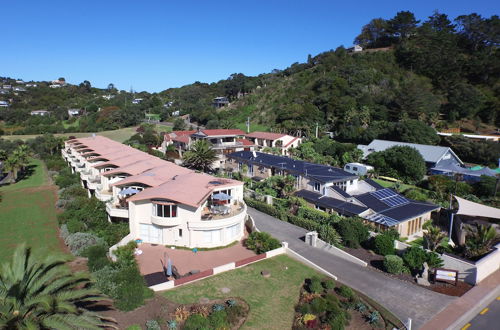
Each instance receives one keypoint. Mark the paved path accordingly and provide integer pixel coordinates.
(403, 299)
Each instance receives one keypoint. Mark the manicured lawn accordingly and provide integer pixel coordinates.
(119, 135)
(34, 178)
(27, 214)
(272, 300)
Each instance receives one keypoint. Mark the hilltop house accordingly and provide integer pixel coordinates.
(73, 112)
(332, 189)
(162, 202)
(39, 113)
(4, 104)
(220, 102)
(274, 140)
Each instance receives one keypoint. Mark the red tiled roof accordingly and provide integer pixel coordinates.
(245, 142)
(171, 135)
(182, 138)
(291, 141)
(265, 135)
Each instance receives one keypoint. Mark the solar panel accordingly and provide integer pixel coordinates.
(383, 220)
(389, 197)
(383, 193)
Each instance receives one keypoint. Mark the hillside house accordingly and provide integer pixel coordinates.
(40, 113)
(4, 104)
(220, 102)
(74, 112)
(274, 140)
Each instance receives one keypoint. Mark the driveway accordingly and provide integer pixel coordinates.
(403, 299)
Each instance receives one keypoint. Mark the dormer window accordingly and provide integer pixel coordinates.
(164, 209)
(317, 186)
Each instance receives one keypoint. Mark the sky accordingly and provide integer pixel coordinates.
(153, 45)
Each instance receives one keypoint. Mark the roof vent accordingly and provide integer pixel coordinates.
(175, 176)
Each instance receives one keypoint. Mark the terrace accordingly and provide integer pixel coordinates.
(222, 211)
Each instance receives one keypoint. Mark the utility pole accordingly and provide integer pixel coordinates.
(317, 128)
(248, 125)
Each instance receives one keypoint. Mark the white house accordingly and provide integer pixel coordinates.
(39, 113)
(358, 168)
(274, 140)
(4, 104)
(73, 112)
(162, 202)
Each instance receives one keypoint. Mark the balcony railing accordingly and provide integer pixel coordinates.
(227, 211)
(117, 211)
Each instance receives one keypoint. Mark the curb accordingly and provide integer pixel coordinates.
(470, 314)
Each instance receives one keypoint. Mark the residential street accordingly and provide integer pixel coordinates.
(403, 299)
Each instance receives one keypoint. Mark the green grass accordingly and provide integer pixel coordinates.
(272, 300)
(28, 215)
(35, 179)
(119, 135)
(389, 184)
(253, 127)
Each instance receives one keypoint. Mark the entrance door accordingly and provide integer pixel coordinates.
(150, 234)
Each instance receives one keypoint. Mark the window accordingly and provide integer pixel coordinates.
(355, 168)
(351, 182)
(347, 167)
(233, 231)
(240, 166)
(317, 186)
(180, 233)
(165, 211)
(211, 236)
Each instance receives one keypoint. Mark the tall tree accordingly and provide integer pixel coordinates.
(40, 293)
(403, 25)
(374, 34)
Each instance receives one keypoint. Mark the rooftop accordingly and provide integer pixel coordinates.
(265, 135)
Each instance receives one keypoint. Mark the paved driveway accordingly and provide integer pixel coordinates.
(403, 299)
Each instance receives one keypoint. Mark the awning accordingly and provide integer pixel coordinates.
(221, 197)
(472, 209)
(128, 191)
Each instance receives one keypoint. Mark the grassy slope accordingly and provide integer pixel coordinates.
(27, 214)
(119, 135)
(272, 300)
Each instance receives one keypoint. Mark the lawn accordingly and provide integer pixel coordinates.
(253, 127)
(119, 135)
(27, 214)
(34, 177)
(272, 300)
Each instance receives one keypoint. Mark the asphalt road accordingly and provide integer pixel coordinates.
(401, 298)
(487, 319)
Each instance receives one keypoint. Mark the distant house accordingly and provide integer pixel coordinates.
(137, 101)
(355, 49)
(31, 85)
(220, 102)
(55, 86)
(19, 89)
(176, 113)
(19, 82)
(73, 112)
(274, 140)
(108, 97)
(434, 156)
(168, 104)
(39, 113)
(4, 91)
(4, 104)
(7, 86)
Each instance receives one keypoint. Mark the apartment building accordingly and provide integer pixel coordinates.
(162, 202)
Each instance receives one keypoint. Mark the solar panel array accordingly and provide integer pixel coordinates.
(383, 220)
(389, 197)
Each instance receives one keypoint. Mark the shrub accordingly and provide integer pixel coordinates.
(304, 223)
(360, 307)
(134, 327)
(218, 320)
(313, 214)
(231, 302)
(337, 321)
(332, 299)
(329, 284)
(384, 244)
(97, 257)
(414, 258)
(329, 235)
(374, 317)
(125, 254)
(318, 305)
(234, 314)
(346, 292)
(152, 325)
(393, 264)
(105, 280)
(261, 242)
(315, 285)
(434, 260)
(196, 322)
(353, 232)
(263, 207)
(131, 290)
(172, 324)
(66, 178)
(64, 232)
(78, 242)
(75, 226)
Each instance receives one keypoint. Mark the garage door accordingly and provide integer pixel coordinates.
(150, 234)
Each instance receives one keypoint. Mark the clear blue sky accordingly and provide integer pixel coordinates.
(154, 45)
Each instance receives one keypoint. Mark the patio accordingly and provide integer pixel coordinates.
(185, 261)
(222, 211)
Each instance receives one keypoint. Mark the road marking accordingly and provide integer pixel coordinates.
(498, 298)
(465, 327)
(484, 311)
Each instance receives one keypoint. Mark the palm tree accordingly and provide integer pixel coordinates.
(12, 165)
(45, 294)
(200, 157)
(433, 237)
(23, 153)
(479, 240)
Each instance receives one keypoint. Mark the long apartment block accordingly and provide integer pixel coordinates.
(163, 203)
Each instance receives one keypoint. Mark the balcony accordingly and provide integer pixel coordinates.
(222, 211)
(167, 222)
(226, 145)
(103, 195)
(117, 211)
(236, 215)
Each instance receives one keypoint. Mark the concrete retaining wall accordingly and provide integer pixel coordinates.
(488, 265)
(320, 244)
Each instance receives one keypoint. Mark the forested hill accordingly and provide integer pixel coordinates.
(437, 72)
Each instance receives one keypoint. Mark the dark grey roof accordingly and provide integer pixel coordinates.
(320, 173)
(340, 206)
(340, 191)
(374, 184)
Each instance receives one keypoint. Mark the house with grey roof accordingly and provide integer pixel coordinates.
(434, 156)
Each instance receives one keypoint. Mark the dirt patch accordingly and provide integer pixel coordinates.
(451, 290)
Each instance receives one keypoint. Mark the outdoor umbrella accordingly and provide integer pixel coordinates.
(128, 191)
(169, 267)
(221, 197)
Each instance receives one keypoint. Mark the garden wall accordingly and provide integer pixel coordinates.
(469, 271)
(320, 244)
(124, 241)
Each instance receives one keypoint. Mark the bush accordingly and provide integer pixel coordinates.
(328, 234)
(434, 260)
(393, 264)
(218, 320)
(329, 284)
(218, 307)
(131, 290)
(261, 242)
(263, 207)
(313, 214)
(353, 232)
(346, 292)
(337, 321)
(196, 322)
(384, 244)
(78, 242)
(318, 305)
(414, 258)
(125, 254)
(134, 327)
(75, 226)
(97, 257)
(64, 232)
(66, 178)
(153, 325)
(105, 280)
(315, 285)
